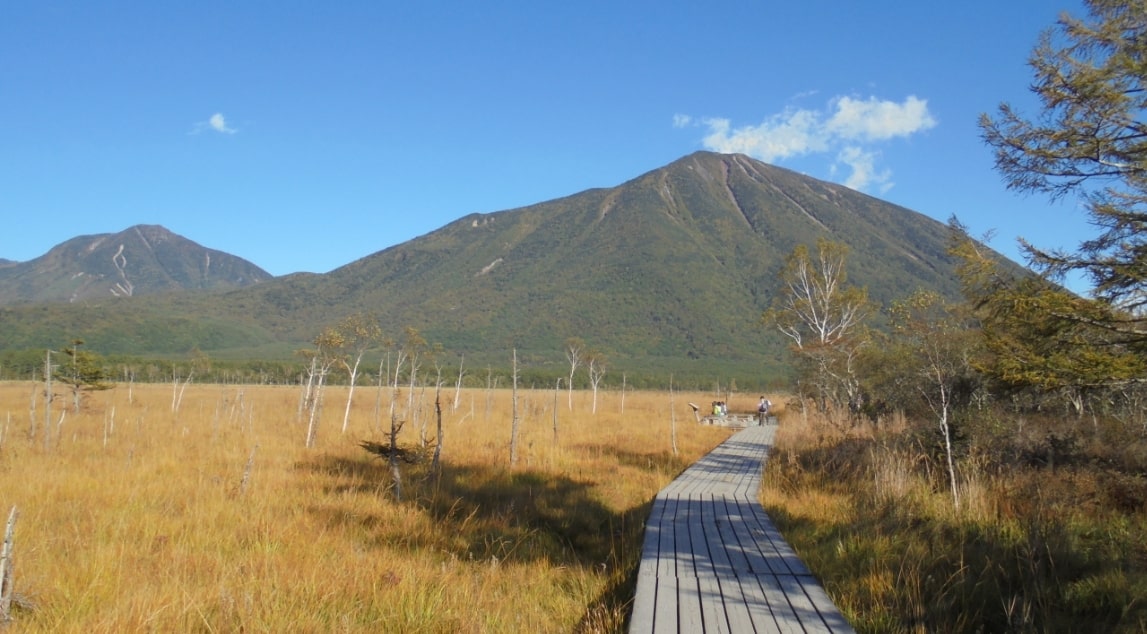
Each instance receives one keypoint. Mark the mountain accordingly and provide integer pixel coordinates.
(142, 260)
(679, 261)
(671, 268)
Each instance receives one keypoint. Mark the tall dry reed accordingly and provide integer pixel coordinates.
(213, 516)
(1031, 548)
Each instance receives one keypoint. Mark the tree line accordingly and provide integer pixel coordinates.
(1018, 343)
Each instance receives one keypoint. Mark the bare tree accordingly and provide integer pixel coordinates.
(673, 417)
(458, 384)
(48, 372)
(7, 575)
(395, 424)
(596, 366)
(383, 381)
(360, 334)
(322, 359)
(515, 421)
(435, 465)
(557, 387)
(416, 349)
(575, 354)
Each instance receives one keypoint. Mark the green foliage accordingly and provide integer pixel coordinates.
(1089, 140)
(667, 273)
(82, 369)
(1039, 336)
(823, 317)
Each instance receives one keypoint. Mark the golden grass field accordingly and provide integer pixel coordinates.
(1030, 548)
(215, 518)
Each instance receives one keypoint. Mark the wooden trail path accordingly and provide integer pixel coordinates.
(712, 561)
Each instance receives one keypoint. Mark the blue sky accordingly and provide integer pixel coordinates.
(303, 135)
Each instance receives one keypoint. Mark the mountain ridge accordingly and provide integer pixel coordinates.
(674, 265)
(142, 259)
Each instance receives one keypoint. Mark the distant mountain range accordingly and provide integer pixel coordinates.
(143, 260)
(671, 268)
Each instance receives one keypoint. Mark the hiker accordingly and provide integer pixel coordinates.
(763, 409)
(716, 408)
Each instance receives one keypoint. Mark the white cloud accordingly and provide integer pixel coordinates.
(847, 127)
(864, 172)
(791, 133)
(682, 120)
(873, 120)
(216, 123)
(219, 124)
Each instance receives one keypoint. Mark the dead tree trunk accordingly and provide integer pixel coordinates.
(392, 459)
(557, 388)
(6, 569)
(435, 465)
(673, 417)
(395, 426)
(458, 385)
(514, 423)
(352, 370)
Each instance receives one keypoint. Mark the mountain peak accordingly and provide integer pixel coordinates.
(673, 266)
(139, 260)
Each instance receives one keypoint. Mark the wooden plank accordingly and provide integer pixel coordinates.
(782, 558)
(666, 560)
(716, 535)
(689, 606)
(665, 617)
(731, 548)
(738, 613)
(785, 618)
(713, 616)
(802, 606)
(645, 606)
(682, 545)
(757, 606)
(829, 613)
(712, 561)
(651, 542)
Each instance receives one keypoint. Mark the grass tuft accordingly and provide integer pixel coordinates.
(1050, 535)
(213, 517)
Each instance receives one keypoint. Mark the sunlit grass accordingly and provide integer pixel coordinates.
(137, 517)
(1029, 549)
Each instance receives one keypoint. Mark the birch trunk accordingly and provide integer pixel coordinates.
(6, 569)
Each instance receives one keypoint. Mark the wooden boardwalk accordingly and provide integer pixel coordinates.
(712, 561)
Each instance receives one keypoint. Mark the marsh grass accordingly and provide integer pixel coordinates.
(1032, 548)
(213, 517)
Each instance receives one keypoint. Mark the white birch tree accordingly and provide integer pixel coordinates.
(823, 317)
(360, 333)
(322, 358)
(595, 363)
(939, 342)
(575, 354)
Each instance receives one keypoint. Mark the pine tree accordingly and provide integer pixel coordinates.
(1089, 140)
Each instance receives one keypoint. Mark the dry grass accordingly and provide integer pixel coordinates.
(1031, 548)
(138, 518)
